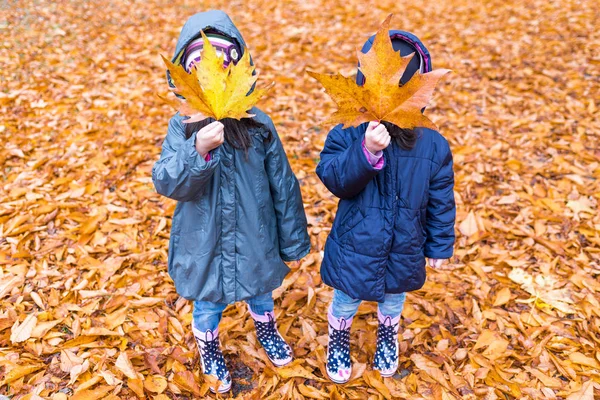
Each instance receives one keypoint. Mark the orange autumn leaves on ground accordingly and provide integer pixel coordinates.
(87, 310)
(381, 98)
(210, 90)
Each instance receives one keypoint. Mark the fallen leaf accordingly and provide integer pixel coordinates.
(468, 226)
(110, 378)
(124, 365)
(99, 331)
(311, 392)
(372, 378)
(21, 332)
(137, 385)
(579, 358)
(185, 380)
(19, 371)
(155, 384)
(502, 297)
(68, 360)
(42, 328)
(92, 394)
(295, 370)
(585, 393)
(7, 284)
(77, 370)
(583, 205)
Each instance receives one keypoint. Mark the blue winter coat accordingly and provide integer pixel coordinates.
(239, 215)
(388, 220)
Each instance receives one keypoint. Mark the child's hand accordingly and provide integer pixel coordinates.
(377, 137)
(436, 263)
(210, 137)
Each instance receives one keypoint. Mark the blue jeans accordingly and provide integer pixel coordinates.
(207, 315)
(344, 306)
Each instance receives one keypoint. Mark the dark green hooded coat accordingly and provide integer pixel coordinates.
(238, 217)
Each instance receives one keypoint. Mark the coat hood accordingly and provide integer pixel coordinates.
(406, 43)
(213, 19)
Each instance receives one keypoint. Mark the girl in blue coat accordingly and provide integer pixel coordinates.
(396, 209)
(239, 214)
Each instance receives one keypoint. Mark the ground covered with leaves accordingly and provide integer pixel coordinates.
(87, 310)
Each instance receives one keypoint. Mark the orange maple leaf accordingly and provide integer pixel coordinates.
(381, 98)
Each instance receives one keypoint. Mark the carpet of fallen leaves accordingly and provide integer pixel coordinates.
(87, 310)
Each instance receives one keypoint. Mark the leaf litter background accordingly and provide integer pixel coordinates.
(86, 307)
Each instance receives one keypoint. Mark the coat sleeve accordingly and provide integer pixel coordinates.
(343, 168)
(181, 173)
(441, 209)
(294, 242)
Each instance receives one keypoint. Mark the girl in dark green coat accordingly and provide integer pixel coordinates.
(239, 214)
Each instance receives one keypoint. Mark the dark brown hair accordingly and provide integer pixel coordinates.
(405, 138)
(237, 132)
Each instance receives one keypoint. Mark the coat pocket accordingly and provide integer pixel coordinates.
(352, 217)
(409, 236)
(370, 235)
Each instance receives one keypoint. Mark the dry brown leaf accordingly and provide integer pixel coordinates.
(8, 283)
(90, 383)
(124, 365)
(295, 370)
(468, 226)
(373, 379)
(19, 371)
(21, 332)
(185, 380)
(68, 360)
(137, 385)
(585, 393)
(42, 328)
(358, 369)
(502, 297)
(76, 371)
(155, 384)
(545, 379)
(110, 378)
(311, 392)
(581, 359)
(99, 331)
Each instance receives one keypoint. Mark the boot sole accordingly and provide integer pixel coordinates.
(222, 389)
(388, 375)
(281, 364)
(336, 380)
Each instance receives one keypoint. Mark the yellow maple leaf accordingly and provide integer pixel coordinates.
(213, 91)
(381, 98)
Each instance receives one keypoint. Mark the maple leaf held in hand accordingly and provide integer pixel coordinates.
(381, 98)
(211, 90)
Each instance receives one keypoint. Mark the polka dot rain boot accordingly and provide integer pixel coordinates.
(339, 366)
(386, 354)
(278, 351)
(212, 359)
